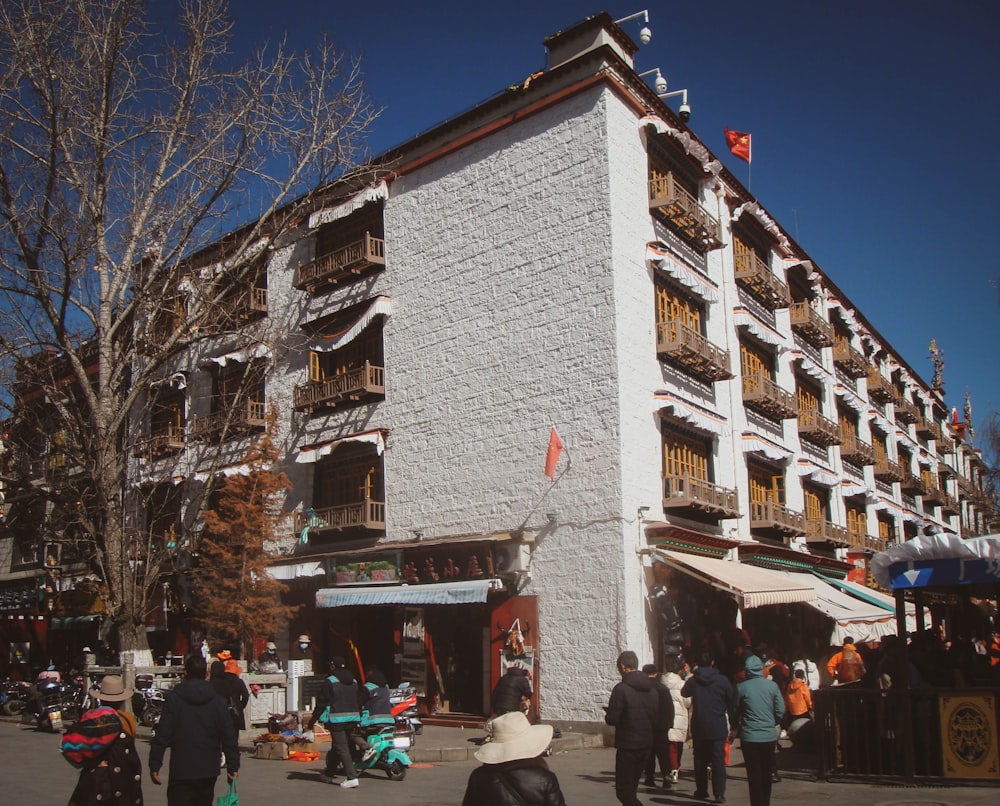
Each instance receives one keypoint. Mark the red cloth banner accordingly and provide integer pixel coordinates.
(552, 454)
(739, 144)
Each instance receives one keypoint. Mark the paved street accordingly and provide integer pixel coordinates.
(35, 773)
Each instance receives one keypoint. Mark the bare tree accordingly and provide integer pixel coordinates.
(130, 153)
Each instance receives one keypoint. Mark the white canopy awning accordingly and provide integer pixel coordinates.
(659, 256)
(317, 452)
(469, 591)
(380, 306)
(851, 616)
(754, 443)
(689, 412)
(298, 571)
(749, 585)
(325, 216)
(767, 334)
(244, 356)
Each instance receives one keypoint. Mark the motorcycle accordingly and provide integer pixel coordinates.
(404, 708)
(46, 707)
(14, 696)
(148, 700)
(387, 752)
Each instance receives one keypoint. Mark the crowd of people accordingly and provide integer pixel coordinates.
(747, 693)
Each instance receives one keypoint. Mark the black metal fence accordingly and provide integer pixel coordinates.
(871, 733)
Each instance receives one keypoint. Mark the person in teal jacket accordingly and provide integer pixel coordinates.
(759, 709)
(338, 708)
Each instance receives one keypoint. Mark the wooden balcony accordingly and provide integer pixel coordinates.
(366, 514)
(345, 263)
(763, 395)
(933, 496)
(771, 518)
(756, 277)
(879, 389)
(950, 505)
(854, 450)
(904, 411)
(163, 443)
(703, 499)
(813, 327)
(849, 360)
(823, 531)
(679, 344)
(860, 540)
(683, 212)
(815, 428)
(888, 470)
(912, 485)
(246, 416)
(929, 429)
(363, 383)
(966, 489)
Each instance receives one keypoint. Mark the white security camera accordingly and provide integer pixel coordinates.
(684, 112)
(645, 35)
(660, 85)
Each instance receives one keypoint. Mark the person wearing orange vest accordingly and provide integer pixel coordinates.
(846, 666)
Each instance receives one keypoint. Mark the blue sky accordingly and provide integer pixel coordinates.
(875, 126)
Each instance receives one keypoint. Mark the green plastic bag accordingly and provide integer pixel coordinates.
(230, 798)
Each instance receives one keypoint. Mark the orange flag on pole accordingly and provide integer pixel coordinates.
(552, 454)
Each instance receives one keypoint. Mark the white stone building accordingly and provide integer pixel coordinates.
(566, 254)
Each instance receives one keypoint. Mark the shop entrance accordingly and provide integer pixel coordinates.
(457, 640)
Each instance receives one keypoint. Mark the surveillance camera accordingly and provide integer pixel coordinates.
(660, 85)
(684, 112)
(645, 35)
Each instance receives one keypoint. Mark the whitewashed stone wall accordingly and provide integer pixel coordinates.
(522, 301)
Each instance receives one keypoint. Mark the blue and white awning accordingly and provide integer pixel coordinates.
(469, 591)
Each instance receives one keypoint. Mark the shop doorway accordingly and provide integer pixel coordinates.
(457, 640)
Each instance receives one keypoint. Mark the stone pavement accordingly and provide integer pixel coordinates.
(34, 773)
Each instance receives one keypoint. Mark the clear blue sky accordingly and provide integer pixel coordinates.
(875, 129)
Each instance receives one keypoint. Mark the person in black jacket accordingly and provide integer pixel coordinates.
(337, 706)
(713, 702)
(634, 711)
(233, 690)
(196, 727)
(514, 773)
(512, 690)
(661, 745)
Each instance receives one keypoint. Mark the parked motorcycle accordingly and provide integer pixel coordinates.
(14, 696)
(45, 710)
(389, 754)
(403, 700)
(148, 700)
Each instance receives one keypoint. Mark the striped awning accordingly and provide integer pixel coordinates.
(469, 591)
(750, 586)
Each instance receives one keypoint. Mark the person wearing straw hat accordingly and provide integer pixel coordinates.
(102, 746)
(514, 772)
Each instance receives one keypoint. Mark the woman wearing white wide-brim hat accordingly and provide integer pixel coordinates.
(514, 772)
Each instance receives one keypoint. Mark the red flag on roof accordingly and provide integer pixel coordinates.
(739, 143)
(552, 454)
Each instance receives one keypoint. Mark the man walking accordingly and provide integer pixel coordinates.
(759, 709)
(195, 725)
(337, 707)
(712, 701)
(661, 744)
(633, 710)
